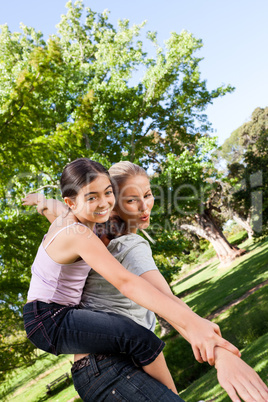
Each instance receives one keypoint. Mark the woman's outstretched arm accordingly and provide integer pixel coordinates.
(234, 375)
(48, 207)
(238, 378)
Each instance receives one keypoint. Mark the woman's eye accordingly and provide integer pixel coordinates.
(91, 198)
(110, 192)
(131, 201)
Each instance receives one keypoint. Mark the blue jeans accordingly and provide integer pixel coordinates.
(61, 329)
(116, 378)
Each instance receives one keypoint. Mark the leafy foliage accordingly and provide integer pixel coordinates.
(187, 181)
(250, 174)
(79, 94)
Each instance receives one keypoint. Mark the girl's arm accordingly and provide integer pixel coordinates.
(202, 334)
(50, 208)
(156, 279)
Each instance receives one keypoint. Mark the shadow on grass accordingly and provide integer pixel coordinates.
(192, 289)
(43, 363)
(207, 386)
(193, 274)
(218, 292)
(242, 325)
(249, 246)
(56, 390)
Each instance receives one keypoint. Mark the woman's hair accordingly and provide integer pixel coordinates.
(78, 174)
(121, 171)
(114, 227)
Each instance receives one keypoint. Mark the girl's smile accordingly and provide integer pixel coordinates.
(102, 213)
(94, 202)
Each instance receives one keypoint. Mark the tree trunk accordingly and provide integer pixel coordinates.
(245, 223)
(164, 325)
(208, 229)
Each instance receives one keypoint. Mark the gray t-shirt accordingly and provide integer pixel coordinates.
(135, 254)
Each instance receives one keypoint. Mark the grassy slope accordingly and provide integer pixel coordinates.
(30, 384)
(205, 291)
(212, 287)
(207, 387)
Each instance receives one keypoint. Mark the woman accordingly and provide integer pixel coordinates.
(134, 205)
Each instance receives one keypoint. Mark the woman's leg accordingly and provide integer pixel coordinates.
(117, 378)
(159, 370)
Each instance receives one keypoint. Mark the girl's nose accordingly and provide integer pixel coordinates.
(103, 202)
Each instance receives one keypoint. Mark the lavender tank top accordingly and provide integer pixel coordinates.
(52, 282)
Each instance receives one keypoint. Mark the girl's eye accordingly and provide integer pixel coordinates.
(131, 201)
(91, 198)
(110, 192)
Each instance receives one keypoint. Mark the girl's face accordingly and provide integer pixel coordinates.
(94, 202)
(135, 202)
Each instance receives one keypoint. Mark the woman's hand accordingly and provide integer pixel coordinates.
(204, 336)
(238, 378)
(203, 348)
(35, 199)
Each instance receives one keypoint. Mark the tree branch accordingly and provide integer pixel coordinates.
(21, 106)
(194, 229)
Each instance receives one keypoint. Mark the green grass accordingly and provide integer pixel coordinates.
(212, 287)
(241, 324)
(29, 384)
(205, 290)
(245, 322)
(207, 387)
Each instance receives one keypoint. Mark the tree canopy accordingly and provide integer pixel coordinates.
(250, 171)
(89, 90)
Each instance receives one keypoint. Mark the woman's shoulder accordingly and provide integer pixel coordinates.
(125, 244)
(130, 238)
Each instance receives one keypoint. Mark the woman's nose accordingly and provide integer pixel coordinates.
(143, 205)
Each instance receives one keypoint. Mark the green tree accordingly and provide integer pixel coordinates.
(248, 174)
(189, 195)
(79, 94)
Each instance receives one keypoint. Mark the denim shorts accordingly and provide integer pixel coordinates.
(61, 329)
(116, 378)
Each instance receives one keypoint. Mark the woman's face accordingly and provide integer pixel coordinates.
(135, 202)
(94, 201)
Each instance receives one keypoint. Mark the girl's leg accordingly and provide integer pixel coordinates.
(135, 340)
(117, 378)
(58, 329)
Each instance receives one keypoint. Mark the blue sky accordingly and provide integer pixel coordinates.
(234, 34)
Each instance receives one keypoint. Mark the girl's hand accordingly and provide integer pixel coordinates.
(239, 379)
(204, 336)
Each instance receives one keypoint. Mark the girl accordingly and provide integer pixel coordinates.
(118, 374)
(52, 320)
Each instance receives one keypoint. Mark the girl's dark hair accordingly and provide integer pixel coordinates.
(78, 174)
